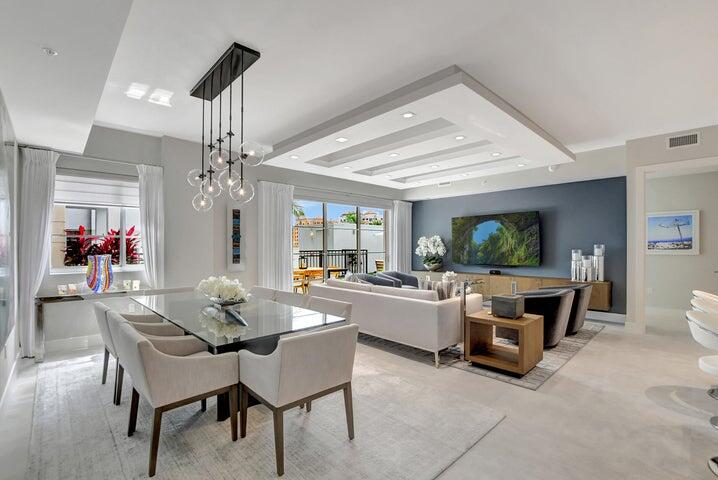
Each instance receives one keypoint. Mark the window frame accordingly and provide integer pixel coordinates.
(123, 266)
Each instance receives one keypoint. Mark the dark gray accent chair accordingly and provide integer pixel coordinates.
(554, 305)
(581, 298)
(404, 278)
(375, 280)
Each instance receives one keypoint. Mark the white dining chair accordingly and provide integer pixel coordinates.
(706, 295)
(290, 298)
(147, 324)
(263, 292)
(302, 368)
(331, 307)
(170, 373)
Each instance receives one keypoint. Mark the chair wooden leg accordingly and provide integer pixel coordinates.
(119, 375)
(309, 406)
(133, 412)
(243, 401)
(279, 440)
(203, 404)
(104, 366)
(349, 408)
(233, 411)
(155, 444)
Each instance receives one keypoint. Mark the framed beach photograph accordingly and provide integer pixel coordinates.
(673, 233)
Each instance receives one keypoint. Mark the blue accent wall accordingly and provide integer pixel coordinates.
(572, 215)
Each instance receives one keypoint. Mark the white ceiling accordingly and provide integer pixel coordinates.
(456, 129)
(52, 100)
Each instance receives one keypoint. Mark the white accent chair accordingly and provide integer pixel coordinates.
(301, 369)
(290, 298)
(263, 292)
(706, 295)
(331, 307)
(147, 324)
(170, 373)
(704, 305)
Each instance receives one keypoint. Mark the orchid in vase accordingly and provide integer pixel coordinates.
(222, 290)
(431, 250)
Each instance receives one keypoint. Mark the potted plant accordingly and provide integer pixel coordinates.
(431, 250)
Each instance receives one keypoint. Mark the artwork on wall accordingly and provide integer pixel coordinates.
(235, 258)
(673, 233)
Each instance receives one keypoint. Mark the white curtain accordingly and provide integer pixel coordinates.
(400, 245)
(37, 191)
(274, 259)
(152, 224)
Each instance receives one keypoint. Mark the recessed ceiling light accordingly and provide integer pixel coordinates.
(347, 168)
(459, 137)
(521, 165)
(341, 139)
(464, 174)
(160, 96)
(434, 166)
(294, 157)
(408, 114)
(136, 90)
(50, 52)
(496, 154)
(394, 154)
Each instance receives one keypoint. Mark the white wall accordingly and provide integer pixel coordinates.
(646, 152)
(670, 278)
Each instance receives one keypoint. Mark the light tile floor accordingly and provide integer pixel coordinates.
(626, 407)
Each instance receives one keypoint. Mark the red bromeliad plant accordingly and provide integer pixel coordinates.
(80, 246)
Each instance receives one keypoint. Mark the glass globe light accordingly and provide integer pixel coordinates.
(252, 153)
(202, 203)
(243, 191)
(218, 158)
(193, 177)
(228, 181)
(211, 188)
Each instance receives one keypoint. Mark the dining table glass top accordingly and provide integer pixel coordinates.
(222, 327)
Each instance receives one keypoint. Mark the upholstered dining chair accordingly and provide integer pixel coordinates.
(263, 292)
(290, 298)
(302, 368)
(147, 324)
(704, 305)
(706, 295)
(331, 307)
(170, 374)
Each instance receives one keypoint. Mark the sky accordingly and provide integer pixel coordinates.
(334, 211)
(483, 230)
(656, 232)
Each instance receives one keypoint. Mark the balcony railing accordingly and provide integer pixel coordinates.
(344, 258)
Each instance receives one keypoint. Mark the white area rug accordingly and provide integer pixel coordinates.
(404, 430)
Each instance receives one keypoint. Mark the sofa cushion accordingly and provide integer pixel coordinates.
(362, 287)
(374, 280)
(395, 281)
(416, 294)
(405, 278)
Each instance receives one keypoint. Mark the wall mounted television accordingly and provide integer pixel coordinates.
(501, 239)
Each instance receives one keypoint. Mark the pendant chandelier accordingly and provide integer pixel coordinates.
(224, 172)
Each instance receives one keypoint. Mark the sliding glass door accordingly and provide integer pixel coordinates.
(331, 239)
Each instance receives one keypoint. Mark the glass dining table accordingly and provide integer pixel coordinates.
(255, 325)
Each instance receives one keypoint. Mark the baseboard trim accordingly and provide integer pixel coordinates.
(618, 318)
(667, 312)
(13, 371)
(73, 343)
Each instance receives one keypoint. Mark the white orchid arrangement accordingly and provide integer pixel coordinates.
(223, 288)
(449, 276)
(431, 249)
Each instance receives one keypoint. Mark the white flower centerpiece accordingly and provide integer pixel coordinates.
(431, 250)
(223, 291)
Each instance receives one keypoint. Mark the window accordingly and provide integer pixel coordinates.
(329, 239)
(82, 230)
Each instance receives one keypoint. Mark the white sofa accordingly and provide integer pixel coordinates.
(407, 316)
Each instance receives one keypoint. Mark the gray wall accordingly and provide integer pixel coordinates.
(573, 215)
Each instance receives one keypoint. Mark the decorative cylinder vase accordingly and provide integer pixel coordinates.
(99, 272)
(587, 268)
(432, 267)
(576, 262)
(599, 253)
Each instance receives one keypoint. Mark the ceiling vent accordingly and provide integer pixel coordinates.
(683, 140)
(443, 184)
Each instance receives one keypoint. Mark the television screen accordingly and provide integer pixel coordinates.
(503, 239)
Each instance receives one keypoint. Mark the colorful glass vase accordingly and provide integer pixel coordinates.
(99, 272)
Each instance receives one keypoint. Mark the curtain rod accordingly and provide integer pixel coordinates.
(76, 155)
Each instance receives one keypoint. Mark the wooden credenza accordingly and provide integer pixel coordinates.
(501, 285)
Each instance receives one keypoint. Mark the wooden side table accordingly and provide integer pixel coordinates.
(479, 345)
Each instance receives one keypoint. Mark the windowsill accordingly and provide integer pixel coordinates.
(82, 270)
